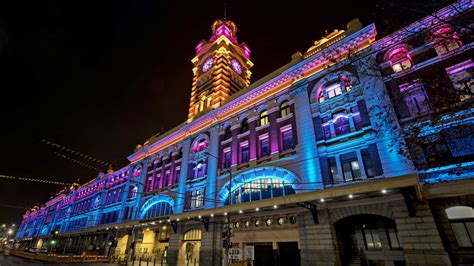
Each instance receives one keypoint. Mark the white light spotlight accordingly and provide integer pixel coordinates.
(384, 191)
(322, 200)
(351, 196)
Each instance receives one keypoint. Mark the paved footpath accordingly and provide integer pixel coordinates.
(16, 261)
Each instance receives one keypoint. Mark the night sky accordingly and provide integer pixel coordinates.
(100, 77)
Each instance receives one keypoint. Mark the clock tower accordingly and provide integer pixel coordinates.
(221, 68)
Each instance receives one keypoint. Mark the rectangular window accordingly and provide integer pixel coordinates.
(177, 172)
(368, 163)
(356, 118)
(287, 138)
(464, 233)
(333, 168)
(264, 146)
(227, 158)
(334, 90)
(350, 166)
(244, 152)
(393, 238)
(341, 123)
(197, 200)
(326, 127)
(372, 239)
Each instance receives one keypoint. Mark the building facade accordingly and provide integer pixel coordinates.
(358, 149)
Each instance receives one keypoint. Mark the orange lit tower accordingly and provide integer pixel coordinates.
(221, 68)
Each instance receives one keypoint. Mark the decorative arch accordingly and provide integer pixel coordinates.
(317, 89)
(192, 235)
(379, 209)
(202, 138)
(162, 198)
(259, 173)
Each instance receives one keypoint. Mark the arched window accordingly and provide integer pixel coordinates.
(263, 118)
(200, 144)
(228, 132)
(285, 108)
(400, 59)
(334, 88)
(461, 219)
(445, 39)
(244, 125)
(199, 170)
(158, 209)
(137, 171)
(259, 189)
(193, 235)
(133, 192)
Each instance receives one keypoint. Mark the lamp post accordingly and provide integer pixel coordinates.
(228, 233)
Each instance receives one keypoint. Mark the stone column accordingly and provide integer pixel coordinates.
(273, 130)
(211, 244)
(252, 122)
(311, 170)
(212, 166)
(361, 164)
(419, 235)
(317, 241)
(179, 205)
(235, 143)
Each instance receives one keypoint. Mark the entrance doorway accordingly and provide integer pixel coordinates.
(190, 248)
(289, 254)
(263, 254)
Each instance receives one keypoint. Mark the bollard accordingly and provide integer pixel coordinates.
(161, 263)
(147, 260)
(154, 261)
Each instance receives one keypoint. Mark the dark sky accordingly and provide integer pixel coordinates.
(100, 77)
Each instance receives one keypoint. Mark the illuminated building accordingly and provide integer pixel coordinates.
(320, 170)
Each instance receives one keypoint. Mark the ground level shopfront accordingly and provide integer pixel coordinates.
(381, 224)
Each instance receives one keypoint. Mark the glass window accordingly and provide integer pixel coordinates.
(263, 118)
(285, 109)
(356, 118)
(462, 224)
(445, 40)
(244, 153)
(326, 128)
(333, 90)
(368, 163)
(333, 168)
(400, 59)
(341, 123)
(372, 239)
(228, 132)
(350, 167)
(244, 126)
(287, 139)
(393, 238)
(227, 159)
(261, 189)
(264, 147)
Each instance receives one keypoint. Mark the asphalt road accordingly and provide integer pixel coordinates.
(16, 261)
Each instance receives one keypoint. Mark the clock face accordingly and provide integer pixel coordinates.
(236, 66)
(207, 64)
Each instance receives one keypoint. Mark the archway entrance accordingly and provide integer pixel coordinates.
(368, 240)
(190, 248)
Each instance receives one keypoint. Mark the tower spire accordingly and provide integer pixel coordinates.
(225, 10)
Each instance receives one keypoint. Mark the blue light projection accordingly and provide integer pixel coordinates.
(275, 173)
(155, 200)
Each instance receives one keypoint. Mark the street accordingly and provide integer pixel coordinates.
(13, 260)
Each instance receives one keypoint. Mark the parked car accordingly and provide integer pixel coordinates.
(33, 250)
(43, 250)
